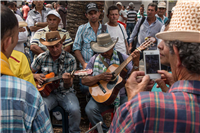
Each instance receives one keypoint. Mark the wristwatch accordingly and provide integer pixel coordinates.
(36, 24)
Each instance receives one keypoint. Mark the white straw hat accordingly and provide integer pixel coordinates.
(185, 22)
(104, 43)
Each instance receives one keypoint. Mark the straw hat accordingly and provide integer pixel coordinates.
(104, 43)
(22, 24)
(185, 22)
(52, 38)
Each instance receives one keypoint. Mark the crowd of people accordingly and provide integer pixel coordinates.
(100, 48)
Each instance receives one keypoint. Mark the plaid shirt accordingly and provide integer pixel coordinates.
(22, 107)
(84, 36)
(45, 63)
(41, 33)
(175, 111)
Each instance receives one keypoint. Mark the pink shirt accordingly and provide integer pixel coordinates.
(25, 9)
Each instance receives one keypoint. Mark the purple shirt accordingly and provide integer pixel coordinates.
(128, 67)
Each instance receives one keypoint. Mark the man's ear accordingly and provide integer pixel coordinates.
(6, 43)
(176, 52)
(86, 15)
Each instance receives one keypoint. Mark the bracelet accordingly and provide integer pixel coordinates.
(138, 49)
(36, 24)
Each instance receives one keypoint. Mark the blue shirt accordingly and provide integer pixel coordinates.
(160, 19)
(146, 30)
(84, 36)
(156, 112)
(22, 107)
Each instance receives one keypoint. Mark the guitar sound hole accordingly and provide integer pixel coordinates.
(111, 84)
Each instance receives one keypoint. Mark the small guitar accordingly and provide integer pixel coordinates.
(51, 83)
(106, 92)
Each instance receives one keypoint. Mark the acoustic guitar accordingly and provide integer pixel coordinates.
(106, 92)
(51, 83)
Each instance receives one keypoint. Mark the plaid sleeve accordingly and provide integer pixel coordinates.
(68, 41)
(37, 62)
(41, 123)
(78, 39)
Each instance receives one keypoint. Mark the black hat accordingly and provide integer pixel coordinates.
(91, 6)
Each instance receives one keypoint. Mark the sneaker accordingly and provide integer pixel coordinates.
(57, 115)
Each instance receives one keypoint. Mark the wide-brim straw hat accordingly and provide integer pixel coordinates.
(52, 38)
(185, 22)
(104, 43)
(22, 24)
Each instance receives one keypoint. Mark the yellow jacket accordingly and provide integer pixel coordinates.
(20, 66)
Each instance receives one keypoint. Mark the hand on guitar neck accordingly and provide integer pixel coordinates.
(68, 80)
(39, 77)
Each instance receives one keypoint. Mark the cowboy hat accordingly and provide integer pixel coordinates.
(185, 23)
(104, 43)
(52, 38)
(22, 24)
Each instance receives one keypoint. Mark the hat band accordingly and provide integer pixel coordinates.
(107, 44)
(52, 39)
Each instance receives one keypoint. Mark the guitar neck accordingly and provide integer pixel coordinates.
(124, 64)
(53, 79)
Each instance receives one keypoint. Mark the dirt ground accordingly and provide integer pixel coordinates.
(84, 125)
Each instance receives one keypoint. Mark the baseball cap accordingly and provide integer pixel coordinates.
(131, 4)
(54, 12)
(119, 3)
(91, 7)
(161, 5)
(173, 9)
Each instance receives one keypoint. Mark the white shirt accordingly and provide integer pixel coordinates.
(115, 31)
(22, 37)
(124, 14)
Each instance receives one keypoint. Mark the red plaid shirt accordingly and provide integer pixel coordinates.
(175, 111)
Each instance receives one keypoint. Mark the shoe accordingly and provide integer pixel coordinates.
(57, 115)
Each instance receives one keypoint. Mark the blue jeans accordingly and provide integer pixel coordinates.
(94, 110)
(129, 29)
(70, 104)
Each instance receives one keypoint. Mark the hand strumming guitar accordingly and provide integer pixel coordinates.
(39, 77)
(68, 80)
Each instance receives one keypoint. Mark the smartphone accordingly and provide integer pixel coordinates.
(152, 63)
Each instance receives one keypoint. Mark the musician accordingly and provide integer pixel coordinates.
(56, 60)
(105, 47)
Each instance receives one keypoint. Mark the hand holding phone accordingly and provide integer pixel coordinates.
(152, 63)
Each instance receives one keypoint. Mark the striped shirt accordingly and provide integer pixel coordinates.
(41, 33)
(22, 107)
(131, 16)
(140, 16)
(45, 63)
(84, 36)
(172, 112)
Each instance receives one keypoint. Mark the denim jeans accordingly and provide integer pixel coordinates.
(94, 110)
(70, 104)
(129, 29)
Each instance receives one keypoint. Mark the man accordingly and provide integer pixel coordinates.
(131, 19)
(117, 30)
(21, 104)
(85, 34)
(141, 13)
(161, 12)
(107, 55)
(53, 20)
(149, 27)
(25, 10)
(122, 14)
(176, 110)
(37, 17)
(56, 60)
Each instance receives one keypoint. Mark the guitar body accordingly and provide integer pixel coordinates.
(106, 92)
(47, 88)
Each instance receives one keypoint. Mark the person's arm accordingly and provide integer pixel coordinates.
(36, 49)
(80, 58)
(124, 16)
(38, 26)
(68, 80)
(63, 16)
(68, 48)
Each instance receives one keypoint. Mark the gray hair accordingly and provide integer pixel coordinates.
(189, 54)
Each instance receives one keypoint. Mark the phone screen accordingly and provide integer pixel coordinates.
(152, 64)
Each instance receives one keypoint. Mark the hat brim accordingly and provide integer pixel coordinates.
(22, 24)
(92, 9)
(53, 42)
(98, 49)
(162, 7)
(184, 36)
